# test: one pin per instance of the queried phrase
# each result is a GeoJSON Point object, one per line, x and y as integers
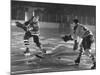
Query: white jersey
{"type": "Point", "coordinates": [80, 31]}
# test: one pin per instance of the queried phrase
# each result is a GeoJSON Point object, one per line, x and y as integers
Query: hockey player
{"type": "Point", "coordinates": [80, 31]}
{"type": "Point", "coordinates": [31, 29]}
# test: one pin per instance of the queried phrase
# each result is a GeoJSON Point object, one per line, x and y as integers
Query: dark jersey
{"type": "Point", "coordinates": [33, 26]}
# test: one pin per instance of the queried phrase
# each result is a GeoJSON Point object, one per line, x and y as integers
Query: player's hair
{"type": "Point", "coordinates": [76, 21]}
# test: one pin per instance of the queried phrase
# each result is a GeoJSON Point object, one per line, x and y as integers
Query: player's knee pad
{"type": "Point", "coordinates": [38, 44]}
{"type": "Point", "coordinates": [75, 47]}
{"type": "Point", "coordinates": [26, 42]}
{"type": "Point", "coordinates": [92, 57]}
{"type": "Point", "coordinates": [87, 53]}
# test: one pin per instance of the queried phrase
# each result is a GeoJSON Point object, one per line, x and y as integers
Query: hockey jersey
{"type": "Point", "coordinates": [80, 31]}
{"type": "Point", "coordinates": [33, 26]}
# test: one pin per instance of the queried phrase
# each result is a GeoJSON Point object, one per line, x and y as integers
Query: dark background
{"type": "Point", "coordinates": [53, 12]}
